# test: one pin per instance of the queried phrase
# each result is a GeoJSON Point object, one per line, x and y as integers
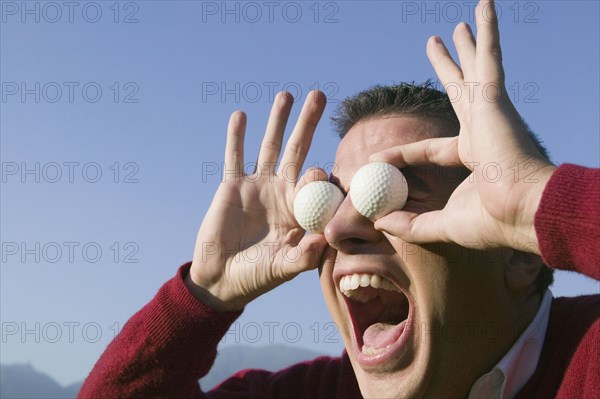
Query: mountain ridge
{"type": "Point", "coordinates": [23, 381]}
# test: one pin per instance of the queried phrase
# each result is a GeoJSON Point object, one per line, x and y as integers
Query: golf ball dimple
{"type": "Point", "coordinates": [315, 204]}
{"type": "Point", "coordinates": [377, 189]}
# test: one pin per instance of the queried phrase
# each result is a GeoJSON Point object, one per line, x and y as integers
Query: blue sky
{"type": "Point", "coordinates": [113, 118]}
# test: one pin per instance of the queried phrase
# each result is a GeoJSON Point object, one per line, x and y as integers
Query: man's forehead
{"type": "Point", "coordinates": [373, 135]}
{"type": "Point", "coordinates": [389, 131]}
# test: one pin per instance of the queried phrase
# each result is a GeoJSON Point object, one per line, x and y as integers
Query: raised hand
{"type": "Point", "coordinates": [496, 205]}
{"type": "Point", "coordinates": [249, 241]}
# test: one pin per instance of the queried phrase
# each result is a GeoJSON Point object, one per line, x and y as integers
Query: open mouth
{"type": "Point", "coordinates": [380, 312]}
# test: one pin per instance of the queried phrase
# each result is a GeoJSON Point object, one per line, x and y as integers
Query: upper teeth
{"type": "Point", "coordinates": [349, 283]}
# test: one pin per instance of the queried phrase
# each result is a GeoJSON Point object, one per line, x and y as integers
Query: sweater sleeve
{"type": "Point", "coordinates": [567, 222]}
{"type": "Point", "coordinates": [163, 349]}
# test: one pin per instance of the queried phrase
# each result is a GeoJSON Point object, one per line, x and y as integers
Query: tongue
{"type": "Point", "coordinates": [380, 335]}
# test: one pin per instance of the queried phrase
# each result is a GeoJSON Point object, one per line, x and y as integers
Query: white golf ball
{"type": "Point", "coordinates": [315, 204]}
{"type": "Point", "coordinates": [377, 189]}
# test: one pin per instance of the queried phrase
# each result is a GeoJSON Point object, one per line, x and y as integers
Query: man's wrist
{"type": "Point", "coordinates": [206, 297]}
{"type": "Point", "coordinates": [527, 239]}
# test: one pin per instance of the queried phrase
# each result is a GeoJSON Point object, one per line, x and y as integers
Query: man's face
{"type": "Point", "coordinates": [423, 320]}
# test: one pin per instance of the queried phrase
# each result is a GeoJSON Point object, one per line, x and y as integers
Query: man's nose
{"type": "Point", "coordinates": [348, 229]}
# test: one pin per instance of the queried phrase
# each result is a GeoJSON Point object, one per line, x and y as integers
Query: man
{"type": "Point", "coordinates": [445, 298]}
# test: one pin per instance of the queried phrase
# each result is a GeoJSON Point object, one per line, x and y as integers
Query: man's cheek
{"type": "Point", "coordinates": [449, 179]}
{"type": "Point", "coordinates": [448, 176]}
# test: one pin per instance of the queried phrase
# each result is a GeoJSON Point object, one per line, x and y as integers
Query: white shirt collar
{"type": "Point", "coordinates": [517, 366]}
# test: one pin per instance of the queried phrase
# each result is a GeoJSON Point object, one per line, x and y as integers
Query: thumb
{"type": "Point", "coordinates": [304, 256]}
{"type": "Point", "coordinates": [411, 227]}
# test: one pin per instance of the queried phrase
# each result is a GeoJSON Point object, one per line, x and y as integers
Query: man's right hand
{"type": "Point", "coordinates": [485, 210]}
{"type": "Point", "coordinates": [249, 241]}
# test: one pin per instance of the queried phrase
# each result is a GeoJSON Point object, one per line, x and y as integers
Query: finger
{"type": "Point", "coordinates": [306, 255]}
{"type": "Point", "coordinates": [441, 151]}
{"type": "Point", "coordinates": [300, 139]}
{"type": "Point", "coordinates": [271, 144]}
{"type": "Point", "coordinates": [234, 149]}
{"type": "Point", "coordinates": [411, 227]}
{"type": "Point", "coordinates": [488, 52]}
{"type": "Point", "coordinates": [311, 175]}
{"type": "Point", "coordinates": [443, 64]}
{"type": "Point", "coordinates": [465, 47]}
{"type": "Point", "coordinates": [449, 73]}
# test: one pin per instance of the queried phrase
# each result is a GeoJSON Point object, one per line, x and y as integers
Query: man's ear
{"type": "Point", "coordinates": [522, 269]}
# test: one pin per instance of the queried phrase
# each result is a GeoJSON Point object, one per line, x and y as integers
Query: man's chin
{"type": "Point", "coordinates": [404, 371]}
{"type": "Point", "coordinates": [408, 383]}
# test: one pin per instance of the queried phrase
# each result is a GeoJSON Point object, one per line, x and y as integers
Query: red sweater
{"type": "Point", "coordinates": [171, 342]}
